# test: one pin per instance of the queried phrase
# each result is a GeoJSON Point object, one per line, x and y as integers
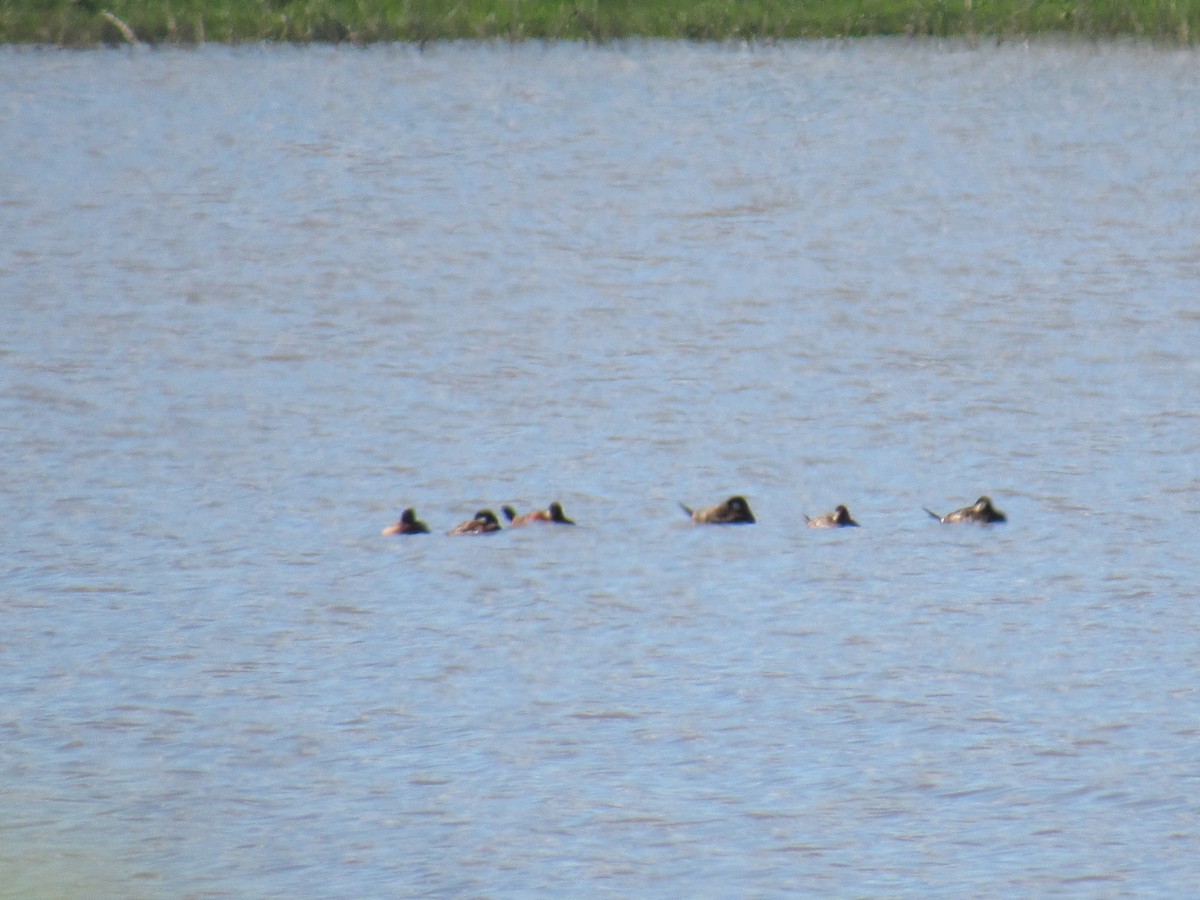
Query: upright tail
{"type": "Point", "coordinates": [932, 513]}
{"type": "Point", "coordinates": [686, 509]}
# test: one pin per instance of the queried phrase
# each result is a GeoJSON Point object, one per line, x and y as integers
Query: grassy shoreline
{"type": "Point", "coordinates": [94, 23]}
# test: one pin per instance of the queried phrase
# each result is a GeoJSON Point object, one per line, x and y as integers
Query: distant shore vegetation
{"type": "Point", "coordinates": [95, 23]}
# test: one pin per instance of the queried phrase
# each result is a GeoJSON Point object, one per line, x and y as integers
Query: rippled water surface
{"type": "Point", "coordinates": [256, 301]}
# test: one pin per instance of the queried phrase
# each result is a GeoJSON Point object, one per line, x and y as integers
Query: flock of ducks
{"type": "Point", "coordinates": [484, 521]}
{"type": "Point", "coordinates": [734, 511]}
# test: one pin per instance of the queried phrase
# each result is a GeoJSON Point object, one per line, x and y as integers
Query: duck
{"type": "Point", "coordinates": [981, 512]}
{"type": "Point", "coordinates": [734, 511]}
{"type": "Point", "coordinates": [484, 522]}
{"type": "Point", "coordinates": [839, 518]}
{"type": "Point", "coordinates": [408, 524]}
{"type": "Point", "coordinates": [553, 514]}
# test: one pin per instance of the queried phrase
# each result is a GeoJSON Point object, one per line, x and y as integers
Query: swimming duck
{"type": "Point", "coordinates": [483, 523]}
{"type": "Point", "coordinates": [552, 514]}
{"type": "Point", "coordinates": [981, 512]}
{"type": "Point", "coordinates": [734, 511]}
{"type": "Point", "coordinates": [408, 524]}
{"type": "Point", "coordinates": [839, 518]}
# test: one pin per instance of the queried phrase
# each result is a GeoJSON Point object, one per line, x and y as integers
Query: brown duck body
{"type": "Point", "coordinates": [981, 512]}
{"type": "Point", "coordinates": [484, 522]}
{"type": "Point", "coordinates": [553, 515]}
{"type": "Point", "coordinates": [734, 511]}
{"type": "Point", "coordinates": [408, 524]}
{"type": "Point", "coordinates": [839, 518]}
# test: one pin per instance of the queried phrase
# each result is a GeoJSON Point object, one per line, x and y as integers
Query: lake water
{"type": "Point", "coordinates": [256, 301]}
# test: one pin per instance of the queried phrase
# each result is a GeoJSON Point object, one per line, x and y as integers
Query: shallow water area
{"type": "Point", "coordinates": [258, 300]}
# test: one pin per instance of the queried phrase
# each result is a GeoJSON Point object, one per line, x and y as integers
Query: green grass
{"type": "Point", "coordinates": [90, 23]}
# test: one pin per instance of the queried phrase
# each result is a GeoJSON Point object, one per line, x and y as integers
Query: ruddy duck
{"type": "Point", "coordinates": [408, 524]}
{"type": "Point", "coordinates": [981, 512]}
{"type": "Point", "coordinates": [839, 518]}
{"type": "Point", "coordinates": [483, 523]}
{"type": "Point", "coordinates": [552, 514]}
{"type": "Point", "coordinates": [734, 511]}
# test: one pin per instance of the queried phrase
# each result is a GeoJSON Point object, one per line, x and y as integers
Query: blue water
{"type": "Point", "coordinates": [257, 301]}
